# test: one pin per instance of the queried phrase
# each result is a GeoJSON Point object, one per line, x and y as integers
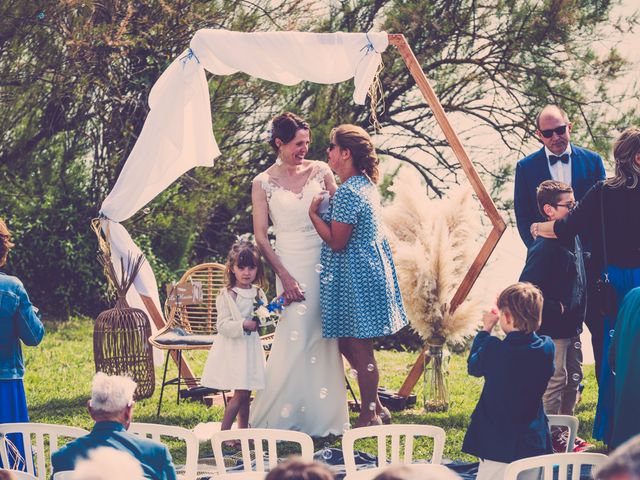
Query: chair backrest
{"type": "Point", "coordinates": [429, 470]}
{"type": "Point", "coordinates": [34, 440]}
{"type": "Point", "coordinates": [200, 318]}
{"type": "Point", "coordinates": [17, 475]}
{"type": "Point", "coordinates": [69, 475]}
{"type": "Point", "coordinates": [393, 432]}
{"type": "Point", "coordinates": [570, 423]}
{"type": "Point", "coordinates": [549, 462]}
{"type": "Point", "coordinates": [157, 432]}
{"type": "Point", "coordinates": [245, 476]}
{"type": "Point", "coordinates": [257, 436]}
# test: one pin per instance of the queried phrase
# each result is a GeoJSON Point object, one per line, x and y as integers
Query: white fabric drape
{"type": "Point", "coordinates": [177, 134]}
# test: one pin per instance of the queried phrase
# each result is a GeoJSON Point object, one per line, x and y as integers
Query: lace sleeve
{"type": "Point", "coordinates": [267, 186]}
{"type": "Point", "coordinates": [322, 170]}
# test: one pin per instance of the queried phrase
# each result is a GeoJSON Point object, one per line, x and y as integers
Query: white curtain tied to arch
{"type": "Point", "coordinates": [177, 133]}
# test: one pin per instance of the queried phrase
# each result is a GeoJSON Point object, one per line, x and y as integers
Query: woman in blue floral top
{"type": "Point", "coordinates": [359, 294]}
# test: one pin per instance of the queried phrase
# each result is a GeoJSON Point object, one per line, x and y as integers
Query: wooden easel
{"type": "Point", "coordinates": [399, 41]}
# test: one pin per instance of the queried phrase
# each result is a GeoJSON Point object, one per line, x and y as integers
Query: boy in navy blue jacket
{"type": "Point", "coordinates": [509, 422]}
{"type": "Point", "coordinates": [556, 267]}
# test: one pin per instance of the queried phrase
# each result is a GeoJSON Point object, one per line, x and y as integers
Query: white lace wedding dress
{"type": "Point", "coordinates": [304, 377]}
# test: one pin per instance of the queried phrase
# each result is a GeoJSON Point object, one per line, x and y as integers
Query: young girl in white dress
{"type": "Point", "coordinates": [236, 359]}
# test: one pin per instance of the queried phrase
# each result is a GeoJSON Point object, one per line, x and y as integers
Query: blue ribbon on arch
{"type": "Point", "coordinates": [189, 56]}
{"type": "Point", "coordinates": [369, 46]}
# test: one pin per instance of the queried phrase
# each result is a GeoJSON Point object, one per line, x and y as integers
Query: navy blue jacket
{"type": "Point", "coordinates": [154, 457]}
{"type": "Point", "coordinates": [556, 267]}
{"type": "Point", "coordinates": [586, 170]}
{"type": "Point", "coordinates": [508, 422]}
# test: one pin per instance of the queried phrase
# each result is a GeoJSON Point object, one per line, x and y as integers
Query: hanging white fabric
{"type": "Point", "coordinates": [177, 133]}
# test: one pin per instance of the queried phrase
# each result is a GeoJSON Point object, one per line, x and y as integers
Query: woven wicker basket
{"type": "Point", "coordinates": [121, 335]}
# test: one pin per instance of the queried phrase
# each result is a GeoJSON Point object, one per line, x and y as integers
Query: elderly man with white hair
{"type": "Point", "coordinates": [111, 407]}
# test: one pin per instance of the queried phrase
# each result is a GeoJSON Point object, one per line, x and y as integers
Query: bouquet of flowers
{"type": "Point", "coordinates": [267, 315]}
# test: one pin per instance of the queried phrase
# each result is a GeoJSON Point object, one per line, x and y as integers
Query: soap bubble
{"type": "Point", "coordinates": [328, 278]}
{"type": "Point", "coordinates": [301, 309]}
{"type": "Point", "coordinates": [576, 377]}
{"type": "Point", "coordinates": [312, 359]}
{"type": "Point", "coordinates": [294, 335]}
{"type": "Point", "coordinates": [286, 411]}
{"type": "Point", "coordinates": [323, 393]}
{"type": "Point", "coordinates": [319, 267]}
{"type": "Point", "coordinates": [302, 286]}
{"type": "Point", "coordinates": [371, 367]}
{"type": "Point", "coordinates": [303, 408]}
{"type": "Point", "coordinates": [327, 453]}
{"type": "Point", "coordinates": [372, 406]}
{"type": "Point", "coordinates": [345, 427]}
{"type": "Point", "coordinates": [577, 345]}
{"type": "Point", "coordinates": [353, 373]}
{"type": "Point", "coordinates": [612, 333]}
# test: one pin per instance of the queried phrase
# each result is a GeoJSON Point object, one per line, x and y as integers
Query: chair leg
{"type": "Point", "coordinates": [164, 379]}
{"type": "Point", "coordinates": [353, 394]}
{"type": "Point", "coordinates": [179, 372]}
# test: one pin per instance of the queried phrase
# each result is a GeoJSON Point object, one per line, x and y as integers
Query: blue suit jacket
{"type": "Point", "coordinates": [508, 422]}
{"type": "Point", "coordinates": [154, 457]}
{"type": "Point", "coordinates": [586, 170]}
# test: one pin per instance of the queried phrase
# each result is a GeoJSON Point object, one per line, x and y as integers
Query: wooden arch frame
{"type": "Point", "coordinates": [400, 42]}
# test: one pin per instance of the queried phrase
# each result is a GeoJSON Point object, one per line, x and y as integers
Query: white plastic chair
{"type": "Point", "coordinates": [569, 422]}
{"type": "Point", "coordinates": [17, 475]}
{"type": "Point", "coordinates": [394, 432]}
{"type": "Point", "coordinates": [257, 436]}
{"type": "Point", "coordinates": [157, 431]}
{"type": "Point", "coordinates": [245, 476]}
{"type": "Point", "coordinates": [429, 470]}
{"type": "Point", "coordinates": [68, 475]}
{"type": "Point", "coordinates": [41, 469]}
{"type": "Point", "coordinates": [548, 462]}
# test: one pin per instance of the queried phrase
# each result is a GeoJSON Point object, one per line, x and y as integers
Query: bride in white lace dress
{"type": "Point", "coordinates": [304, 384]}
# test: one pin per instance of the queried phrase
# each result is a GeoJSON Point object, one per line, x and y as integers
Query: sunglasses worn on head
{"type": "Point", "coordinates": [558, 131]}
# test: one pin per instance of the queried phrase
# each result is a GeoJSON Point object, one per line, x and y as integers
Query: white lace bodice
{"type": "Point", "coordinates": [289, 211]}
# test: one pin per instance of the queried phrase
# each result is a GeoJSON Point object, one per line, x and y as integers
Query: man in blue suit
{"type": "Point", "coordinates": [111, 406]}
{"type": "Point", "coordinates": [560, 160]}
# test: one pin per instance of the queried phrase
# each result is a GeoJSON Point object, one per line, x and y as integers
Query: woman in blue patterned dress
{"type": "Point", "coordinates": [359, 294]}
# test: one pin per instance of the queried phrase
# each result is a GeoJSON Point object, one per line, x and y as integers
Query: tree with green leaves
{"type": "Point", "coordinates": [75, 78]}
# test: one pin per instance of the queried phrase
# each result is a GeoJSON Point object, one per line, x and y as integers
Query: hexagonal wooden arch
{"type": "Point", "coordinates": [399, 41]}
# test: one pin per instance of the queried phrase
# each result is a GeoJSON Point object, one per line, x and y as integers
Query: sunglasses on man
{"type": "Point", "coordinates": [558, 131]}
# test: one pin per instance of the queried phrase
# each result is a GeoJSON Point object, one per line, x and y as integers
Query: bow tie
{"type": "Point", "coordinates": [553, 159]}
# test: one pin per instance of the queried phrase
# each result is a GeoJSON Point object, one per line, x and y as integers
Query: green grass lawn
{"type": "Point", "coordinates": [59, 373]}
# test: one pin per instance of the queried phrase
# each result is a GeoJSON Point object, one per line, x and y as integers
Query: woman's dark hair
{"type": "Point", "coordinates": [285, 127]}
{"type": "Point", "coordinates": [625, 149]}
{"type": "Point", "coordinates": [299, 470]}
{"type": "Point", "coordinates": [5, 242]}
{"type": "Point", "coordinates": [244, 253]}
{"type": "Point", "coordinates": [358, 142]}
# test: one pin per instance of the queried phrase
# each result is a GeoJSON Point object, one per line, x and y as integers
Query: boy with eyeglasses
{"type": "Point", "coordinates": [556, 267]}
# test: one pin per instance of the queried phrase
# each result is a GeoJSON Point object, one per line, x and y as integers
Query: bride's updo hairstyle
{"type": "Point", "coordinates": [358, 142]}
{"type": "Point", "coordinates": [5, 242]}
{"type": "Point", "coordinates": [285, 127]}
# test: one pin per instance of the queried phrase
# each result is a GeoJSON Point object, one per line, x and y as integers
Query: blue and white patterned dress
{"type": "Point", "coordinates": [359, 293]}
